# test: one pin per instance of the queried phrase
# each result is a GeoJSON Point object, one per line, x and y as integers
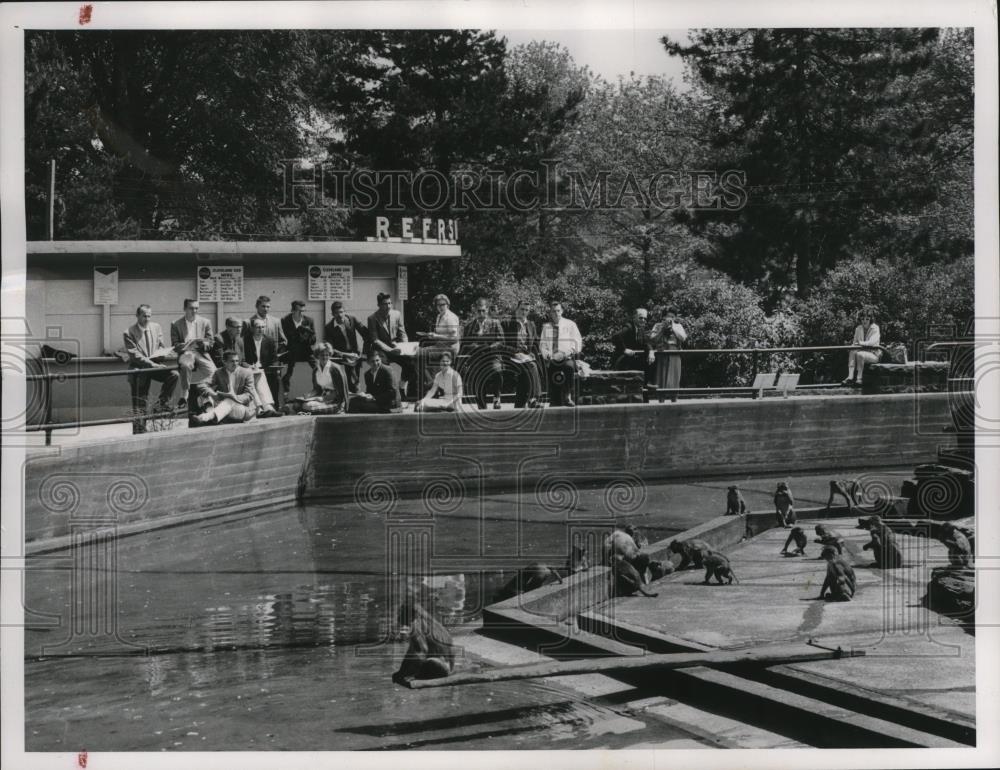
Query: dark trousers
{"type": "Point", "coordinates": [483, 375]}
{"type": "Point", "coordinates": [139, 387]}
{"type": "Point", "coordinates": [405, 363]}
{"type": "Point", "coordinates": [529, 383]}
{"type": "Point", "coordinates": [561, 377]}
{"type": "Point", "coordinates": [635, 363]}
{"type": "Point", "coordinates": [353, 372]}
{"type": "Point", "coordinates": [292, 360]}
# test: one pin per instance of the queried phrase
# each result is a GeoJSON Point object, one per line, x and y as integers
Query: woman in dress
{"type": "Point", "coordinates": [329, 385]}
{"type": "Point", "coordinates": [668, 335]}
{"type": "Point", "coordinates": [449, 383]}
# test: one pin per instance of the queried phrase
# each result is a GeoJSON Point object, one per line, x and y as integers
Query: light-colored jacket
{"type": "Point", "coordinates": [136, 346]}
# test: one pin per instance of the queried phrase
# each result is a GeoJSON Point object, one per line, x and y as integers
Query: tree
{"type": "Point", "coordinates": [825, 124]}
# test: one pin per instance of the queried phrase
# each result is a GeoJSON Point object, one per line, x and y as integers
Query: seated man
{"type": "Point", "coordinates": [482, 340]}
{"type": "Point", "coordinates": [866, 334]}
{"type": "Point", "coordinates": [380, 396]}
{"type": "Point", "coordinates": [559, 345]}
{"type": "Point", "coordinates": [632, 345]}
{"type": "Point", "coordinates": [328, 394]}
{"type": "Point", "coordinates": [229, 397]}
{"type": "Point", "coordinates": [445, 337]}
{"type": "Point", "coordinates": [259, 353]}
{"type": "Point", "coordinates": [230, 338]}
{"type": "Point", "coordinates": [385, 331]}
{"type": "Point", "coordinates": [191, 338]}
{"type": "Point", "coordinates": [144, 345]}
{"type": "Point", "coordinates": [448, 383]}
{"type": "Point", "coordinates": [522, 346]}
{"type": "Point", "coordinates": [342, 335]}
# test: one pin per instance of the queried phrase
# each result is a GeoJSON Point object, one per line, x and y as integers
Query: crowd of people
{"type": "Point", "coordinates": [236, 375]}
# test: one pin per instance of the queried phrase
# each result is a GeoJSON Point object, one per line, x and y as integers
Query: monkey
{"type": "Point", "coordinates": [691, 552]}
{"type": "Point", "coordinates": [718, 566]}
{"type": "Point", "coordinates": [840, 578]}
{"type": "Point", "coordinates": [850, 490]}
{"type": "Point", "coordinates": [619, 543]}
{"type": "Point", "coordinates": [626, 579]}
{"type": "Point", "coordinates": [884, 547]}
{"type": "Point", "coordinates": [784, 505]}
{"type": "Point", "coordinates": [640, 539]}
{"type": "Point", "coordinates": [959, 548]}
{"type": "Point", "coordinates": [527, 579]}
{"type": "Point", "coordinates": [797, 535]}
{"type": "Point", "coordinates": [431, 653]}
{"type": "Point", "coordinates": [829, 537]}
{"type": "Point", "coordinates": [659, 569]}
{"type": "Point", "coordinates": [735, 504]}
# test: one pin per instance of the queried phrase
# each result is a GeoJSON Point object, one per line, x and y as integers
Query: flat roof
{"type": "Point", "coordinates": [378, 252]}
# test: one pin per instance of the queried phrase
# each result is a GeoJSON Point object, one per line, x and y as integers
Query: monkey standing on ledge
{"type": "Point", "coordinates": [840, 579]}
{"type": "Point", "coordinates": [691, 552]}
{"type": "Point", "coordinates": [718, 565]}
{"type": "Point", "coordinates": [849, 489]}
{"type": "Point", "coordinates": [797, 535]}
{"type": "Point", "coordinates": [735, 504]}
{"type": "Point", "coordinates": [784, 505]}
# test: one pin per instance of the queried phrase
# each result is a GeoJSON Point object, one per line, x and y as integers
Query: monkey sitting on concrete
{"type": "Point", "coordinates": [691, 552]}
{"type": "Point", "coordinates": [959, 547]}
{"type": "Point", "coordinates": [659, 569]}
{"type": "Point", "coordinates": [850, 490]}
{"type": "Point", "coordinates": [431, 653]}
{"type": "Point", "coordinates": [798, 536]}
{"type": "Point", "coordinates": [718, 566]}
{"type": "Point", "coordinates": [784, 505]}
{"type": "Point", "coordinates": [829, 537]}
{"type": "Point", "coordinates": [640, 540]}
{"type": "Point", "coordinates": [883, 546]}
{"type": "Point", "coordinates": [626, 579]}
{"type": "Point", "coordinates": [840, 579]}
{"type": "Point", "coordinates": [735, 504]}
{"type": "Point", "coordinates": [527, 579]}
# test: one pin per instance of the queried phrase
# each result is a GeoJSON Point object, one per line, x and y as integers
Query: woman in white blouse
{"type": "Point", "coordinates": [868, 337]}
{"type": "Point", "coordinates": [329, 385]}
{"type": "Point", "coordinates": [449, 383]}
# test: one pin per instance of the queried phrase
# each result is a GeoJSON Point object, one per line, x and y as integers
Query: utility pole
{"type": "Point", "coordinates": [52, 200]}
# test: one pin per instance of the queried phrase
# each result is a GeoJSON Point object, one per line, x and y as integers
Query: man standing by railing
{"type": "Point", "coordinates": [632, 345]}
{"type": "Point", "coordinates": [144, 346]}
{"type": "Point", "coordinates": [191, 338]}
{"type": "Point", "coordinates": [559, 344]}
{"type": "Point", "coordinates": [300, 331]}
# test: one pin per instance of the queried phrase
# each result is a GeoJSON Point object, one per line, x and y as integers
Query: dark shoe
{"type": "Point", "coordinates": [270, 412]}
{"type": "Point", "coordinates": [496, 404]}
{"type": "Point", "coordinates": [533, 404]}
{"type": "Point", "coordinates": [182, 403]}
{"type": "Point", "coordinates": [568, 402]}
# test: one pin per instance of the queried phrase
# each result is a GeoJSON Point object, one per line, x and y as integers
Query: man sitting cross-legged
{"type": "Point", "coordinates": [229, 397]}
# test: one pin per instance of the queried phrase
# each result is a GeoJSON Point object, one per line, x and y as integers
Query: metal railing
{"type": "Point", "coordinates": [47, 377]}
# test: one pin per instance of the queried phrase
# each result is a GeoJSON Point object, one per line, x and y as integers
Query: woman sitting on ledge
{"type": "Point", "coordinates": [329, 386]}
{"type": "Point", "coordinates": [449, 383]}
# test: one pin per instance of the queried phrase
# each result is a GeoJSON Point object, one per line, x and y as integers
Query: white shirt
{"type": "Point", "coordinates": [257, 344]}
{"type": "Point", "coordinates": [872, 338]}
{"type": "Point", "coordinates": [323, 377]}
{"type": "Point", "coordinates": [570, 340]}
{"type": "Point", "coordinates": [450, 383]}
{"type": "Point", "coordinates": [190, 330]}
{"type": "Point", "coordinates": [448, 325]}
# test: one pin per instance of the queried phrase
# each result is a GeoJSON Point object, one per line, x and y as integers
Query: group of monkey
{"type": "Point", "coordinates": [431, 653]}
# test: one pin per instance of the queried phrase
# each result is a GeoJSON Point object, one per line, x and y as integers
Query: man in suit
{"type": "Point", "coordinates": [632, 345]}
{"type": "Point", "coordinates": [272, 325]}
{"type": "Point", "coordinates": [300, 331]}
{"type": "Point", "coordinates": [230, 338]}
{"type": "Point", "coordinates": [144, 344]}
{"type": "Point", "coordinates": [191, 338]}
{"type": "Point", "coordinates": [482, 339]}
{"type": "Point", "coordinates": [342, 335]}
{"type": "Point", "coordinates": [385, 330]}
{"type": "Point", "coordinates": [560, 344]}
{"type": "Point", "coordinates": [380, 396]}
{"type": "Point", "coordinates": [522, 346]}
{"type": "Point", "coordinates": [230, 394]}
{"type": "Point", "coordinates": [260, 354]}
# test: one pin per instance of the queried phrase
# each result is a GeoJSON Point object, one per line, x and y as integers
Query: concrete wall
{"type": "Point", "coordinates": [692, 438]}
{"type": "Point", "coordinates": [61, 295]}
{"type": "Point", "coordinates": [158, 478]}
{"type": "Point", "coordinates": [378, 455]}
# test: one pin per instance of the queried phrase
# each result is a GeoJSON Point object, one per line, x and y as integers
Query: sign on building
{"type": "Point", "coordinates": [402, 283]}
{"type": "Point", "coordinates": [220, 283]}
{"type": "Point", "coordinates": [327, 282]}
{"type": "Point", "coordinates": [106, 285]}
